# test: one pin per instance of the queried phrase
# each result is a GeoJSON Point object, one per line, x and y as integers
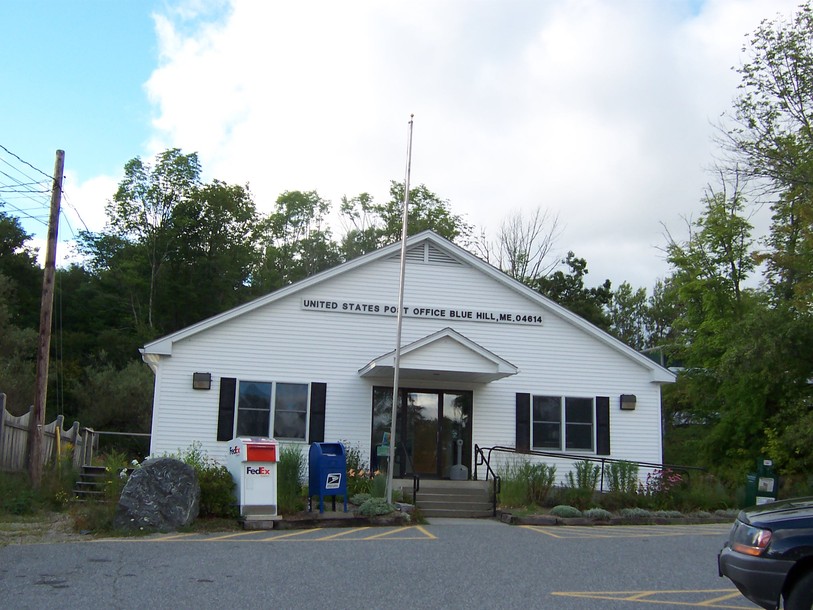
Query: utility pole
{"type": "Point", "coordinates": [46, 314]}
{"type": "Point", "coordinates": [399, 320]}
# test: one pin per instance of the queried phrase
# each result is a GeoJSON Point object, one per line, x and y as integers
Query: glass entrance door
{"type": "Point", "coordinates": [422, 431]}
{"type": "Point", "coordinates": [430, 424]}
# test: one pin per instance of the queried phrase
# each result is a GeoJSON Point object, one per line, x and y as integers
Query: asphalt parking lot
{"type": "Point", "coordinates": [443, 564]}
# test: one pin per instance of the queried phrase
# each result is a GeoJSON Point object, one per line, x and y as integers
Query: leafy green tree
{"type": "Point", "coordinates": [112, 399]}
{"type": "Point", "coordinates": [18, 352]}
{"type": "Point", "coordinates": [375, 225]}
{"type": "Point", "coordinates": [142, 208]}
{"type": "Point", "coordinates": [18, 263]}
{"type": "Point", "coordinates": [92, 314]}
{"type": "Point", "coordinates": [119, 271]}
{"type": "Point", "coordinates": [772, 140]}
{"type": "Point", "coordinates": [296, 240]}
{"type": "Point", "coordinates": [210, 267]}
{"type": "Point", "coordinates": [629, 316]}
{"type": "Point", "coordinates": [721, 388]}
{"type": "Point", "coordinates": [568, 289]}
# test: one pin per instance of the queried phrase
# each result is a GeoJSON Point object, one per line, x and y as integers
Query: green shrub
{"type": "Point", "coordinates": [622, 477]}
{"type": "Point", "coordinates": [359, 499]}
{"type": "Point", "coordinates": [635, 513]}
{"type": "Point", "coordinates": [290, 468]}
{"type": "Point", "coordinates": [216, 492]}
{"type": "Point", "coordinates": [587, 475]}
{"type": "Point", "coordinates": [565, 511]}
{"type": "Point", "coordinates": [730, 513]}
{"type": "Point", "coordinates": [525, 483]}
{"type": "Point", "coordinates": [702, 492]}
{"type": "Point", "coordinates": [616, 500]}
{"type": "Point", "coordinates": [599, 514]}
{"type": "Point", "coordinates": [216, 483]}
{"type": "Point", "coordinates": [116, 473]}
{"type": "Point", "coordinates": [359, 477]}
{"type": "Point", "coordinates": [18, 497]}
{"type": "Point", "coordinates": [353, 456]}
{"type": "Point", "coordinates": [375, 507]}
{"type": "Point", "coordinates": [667, 514]}
{"type": "Point", "coordinates": [379, 487]}
{"type": "Point", "coordinates": [93, 516]}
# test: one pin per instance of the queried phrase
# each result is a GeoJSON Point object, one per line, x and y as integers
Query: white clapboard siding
{"type": "Point", "coordinates": [277, 339]}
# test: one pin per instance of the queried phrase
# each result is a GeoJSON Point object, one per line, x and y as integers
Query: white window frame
{"type": "Point", "coordinates": [272, 407]}
{"type": "Point", "coordinates": [563, 424]}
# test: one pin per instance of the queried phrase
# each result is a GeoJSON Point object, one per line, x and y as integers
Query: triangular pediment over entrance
{"type": "Point", "coordinates": [442, 356]}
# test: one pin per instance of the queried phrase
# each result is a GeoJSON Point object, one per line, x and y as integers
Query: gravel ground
{"type": "Point", "coordinates": [46, 528]}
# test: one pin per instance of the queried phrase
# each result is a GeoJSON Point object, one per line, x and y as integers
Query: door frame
{"type": "Point", "coordinates": [403, 467]}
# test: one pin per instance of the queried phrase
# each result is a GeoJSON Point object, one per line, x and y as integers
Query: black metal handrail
{"type": "Point", "coordinates": [576, 457]}
{"type": "Point", "coordinates": [480, 458]}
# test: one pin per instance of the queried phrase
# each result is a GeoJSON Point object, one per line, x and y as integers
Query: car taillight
{"type": "Point", "coordinates": [749, 540]}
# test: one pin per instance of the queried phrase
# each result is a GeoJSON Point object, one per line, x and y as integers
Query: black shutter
{"type": "Point", "coordinates": [602, 425]}
{"type": "Point", "coordinates": [225, 412]}
{"type": "Point", "coordinates": [318, 403]}
{"type": "Point", "coordinates": [523, 422]}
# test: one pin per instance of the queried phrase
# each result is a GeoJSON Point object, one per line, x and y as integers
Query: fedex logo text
{"type": "Point", "coordinates": [260, 470]}
{"type": "Point", "coordinates": [235, 450]}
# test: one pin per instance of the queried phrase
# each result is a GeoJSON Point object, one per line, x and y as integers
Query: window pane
{"type": "Point", "coordinates": [290, 410]}
{"type": "Point", "coordinates": [579, 436]}
{"type": "Point", "coordinates": [253, 422]}
{"type": "Point", "coordinates": [289, 424]}
{"type": "Point", "coordinates": [579, 423]}
{"type": "Point", "coordinates": [547, 409]}
{"type": "Point", "coordinates": [254, 395]}
{"type": "Point", "coordinates": [579, 410]}
{"type": "Point", "coordinates": [547, 436]}
{"type": "Point", "coordinates": [253, 408]}
{"type": "Point", "coordinates": [292, 397]}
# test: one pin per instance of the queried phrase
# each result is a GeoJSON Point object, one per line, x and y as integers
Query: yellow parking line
{"type": "Point", "coordinates": [174, 537]}
{"type": "Point", "coordinates": [385, 533]}
{"type": "Point", "coordinates": [344, 533]}
{"type": "Point", "coordinates": [167, 537]}
{"type": "Point", "coordinates": [638, 596]}
{"type": "Point", "coordinates": [540, 530]}
{"type": "Point", "coordinates": [722, 598]}
{"type": "Point", "coordinates": [429, 535]}
{"type": "Point", "coordinates": [233, 535]}
{"type": "Point", "coordinates": [646, 597]}
{"type": "Point", "coordinates": [290, 535]}
{"type": "Point", "coordinates": [394, 534]}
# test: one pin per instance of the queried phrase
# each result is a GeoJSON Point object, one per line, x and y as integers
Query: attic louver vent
{"type": "Point", "coordinates": [427, 254]}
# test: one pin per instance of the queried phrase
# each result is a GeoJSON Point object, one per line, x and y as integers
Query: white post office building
{"type": "Point", "coordinates": [484, 359]}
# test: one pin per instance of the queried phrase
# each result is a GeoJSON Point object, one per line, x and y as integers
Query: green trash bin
{"type": "Point", "coordinates": [751, 488]}
{"type": "Point", "coordinates": [761, 486]}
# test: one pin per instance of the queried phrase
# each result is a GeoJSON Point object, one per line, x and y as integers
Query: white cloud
{"type": "Point", "coordinates": [602, 112]}
{"type": "Point", "coordinates": [82, 209]}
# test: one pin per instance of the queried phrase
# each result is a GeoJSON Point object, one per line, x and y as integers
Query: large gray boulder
{"type": "Point", "coordinates": [162, 495]}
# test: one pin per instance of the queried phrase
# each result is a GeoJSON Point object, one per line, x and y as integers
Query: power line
{"type": "Point", "coordinates": [50, 177]}
{"type": "Point", "coordinates": [75, 211]}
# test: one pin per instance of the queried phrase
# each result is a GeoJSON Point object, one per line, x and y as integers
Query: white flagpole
{"type": "Point", "coordinates": [400, 317]}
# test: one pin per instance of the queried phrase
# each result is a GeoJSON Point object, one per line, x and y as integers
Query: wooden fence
{"type": "Point", "coordinates": [14, 440]}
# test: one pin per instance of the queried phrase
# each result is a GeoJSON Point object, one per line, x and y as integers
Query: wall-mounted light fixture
{"type": "Point", "coordinates": [201, 381]}
{"type": "Point", "coordinates": [628, 402]}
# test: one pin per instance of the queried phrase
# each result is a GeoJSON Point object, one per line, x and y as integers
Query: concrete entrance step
{"type": "Point", "coordinates": [462, 499]}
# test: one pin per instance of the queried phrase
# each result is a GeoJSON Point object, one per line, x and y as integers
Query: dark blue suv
{"type": "Point", "coordinates": [769, 554]}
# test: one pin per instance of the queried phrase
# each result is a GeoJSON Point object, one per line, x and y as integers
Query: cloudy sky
{"type": "Point", "coordinates": [600, 111]}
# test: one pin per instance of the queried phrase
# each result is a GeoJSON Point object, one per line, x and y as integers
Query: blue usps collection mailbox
{"type": "Point", "coordinates": [327, 474]}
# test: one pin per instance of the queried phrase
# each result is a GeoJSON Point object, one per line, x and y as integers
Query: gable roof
{"type": "Point", "coordinates": [471, 361]}
{"type": "Point", "coordinates": [426, 245]}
